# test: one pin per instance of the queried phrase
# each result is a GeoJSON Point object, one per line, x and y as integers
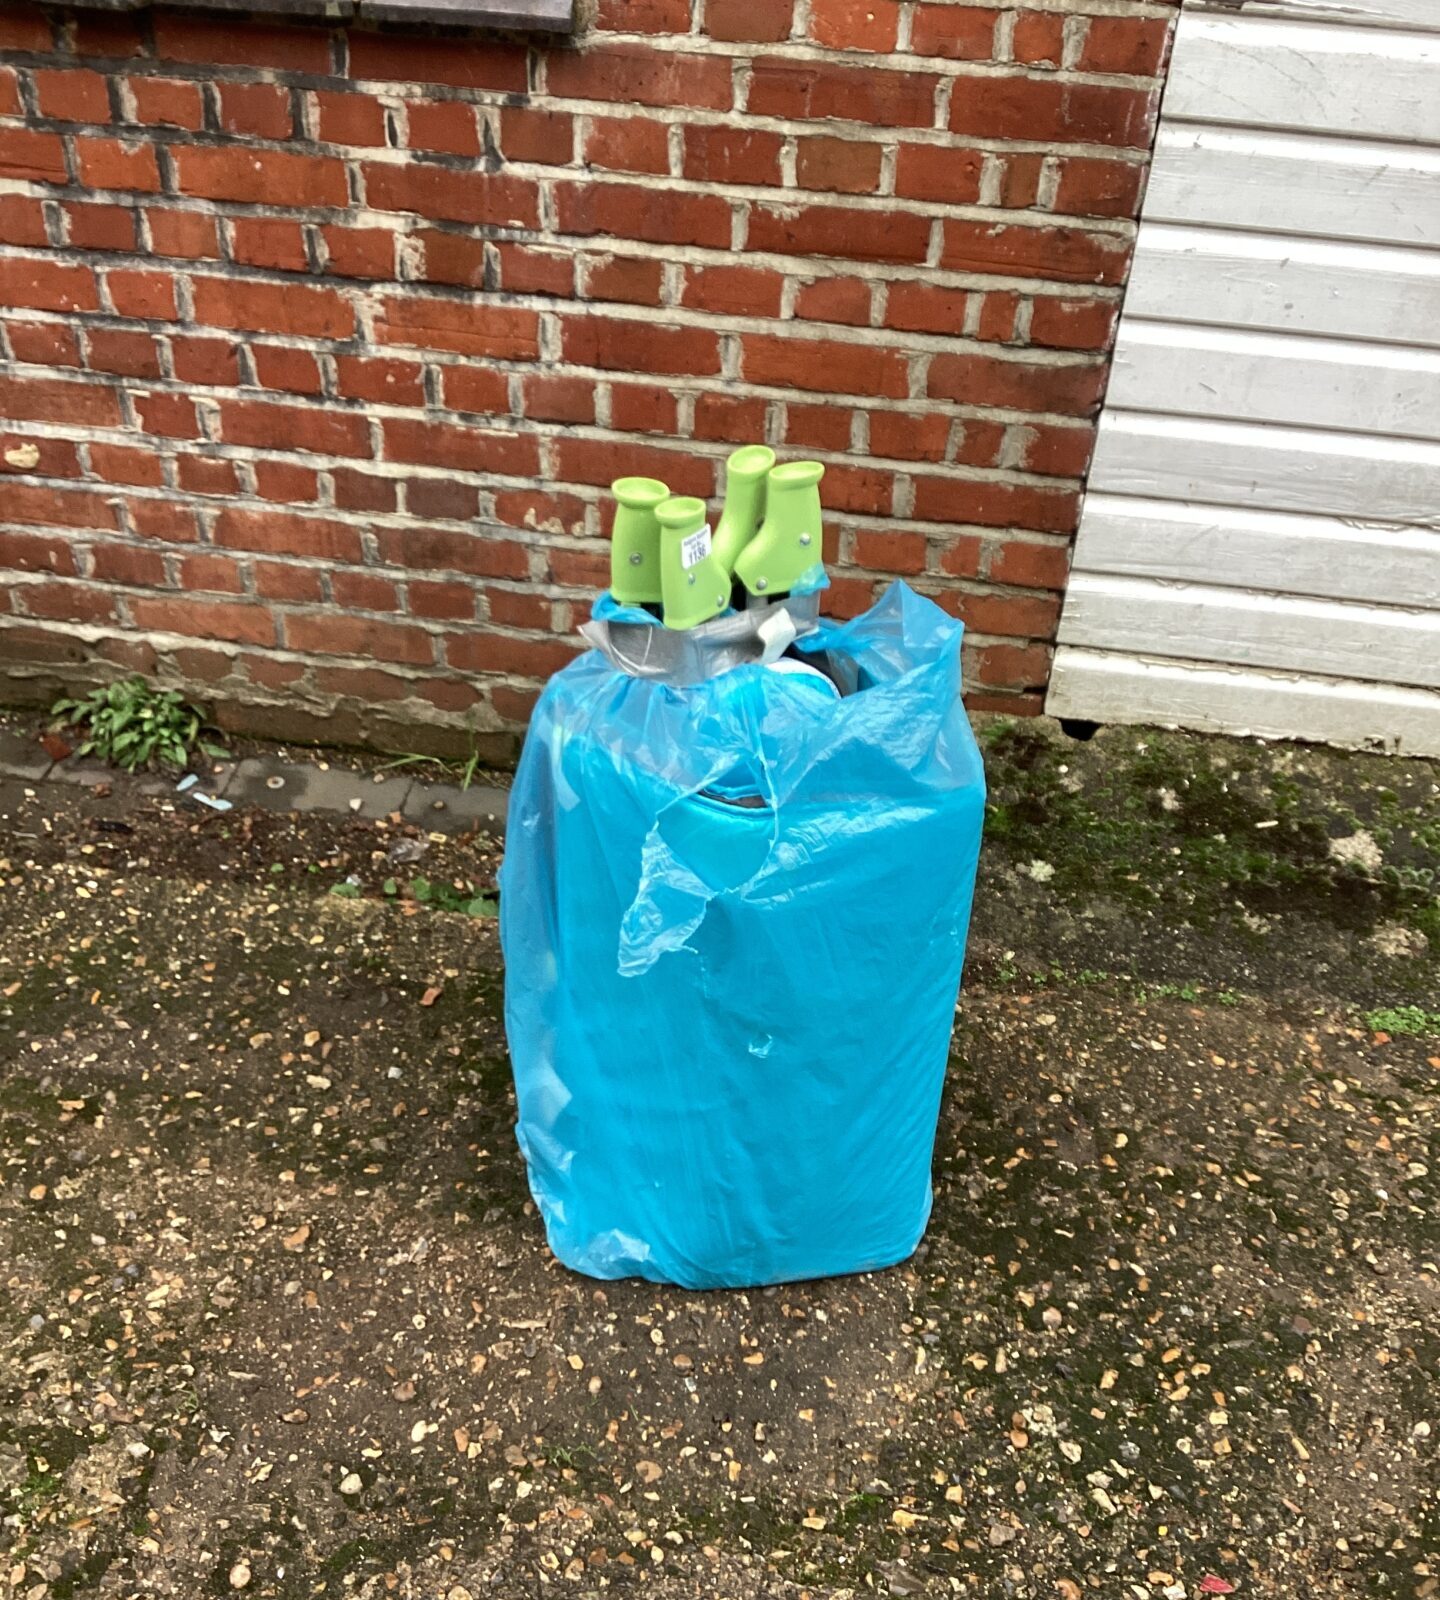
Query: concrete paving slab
{"type": "Point", "coordinates": [294, 786]}
{"type": "Point", "coordinates": [447, 808]}
{"type": "Point", "coordinates": [21, 757]}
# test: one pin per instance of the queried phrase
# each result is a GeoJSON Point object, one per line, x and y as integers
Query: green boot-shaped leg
{"type": "Point", "coordinates": [635, 542]}
{"type": "Point", "coordinates": [745, 473]}
{"type": "Point", "coordinates": [695, 581]}
{"type": "Point", "coordinates": [788, 543]}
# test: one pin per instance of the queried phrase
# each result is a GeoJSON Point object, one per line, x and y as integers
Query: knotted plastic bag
{"type": "Point", "coordinates": [734, 917]}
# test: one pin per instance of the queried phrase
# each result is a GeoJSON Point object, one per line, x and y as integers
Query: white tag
{"type": "Point", "coordinates": [695, 547]}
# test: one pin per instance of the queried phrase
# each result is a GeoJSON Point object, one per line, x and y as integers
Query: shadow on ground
{"type": "Point", "coordinates": [279, 1318]}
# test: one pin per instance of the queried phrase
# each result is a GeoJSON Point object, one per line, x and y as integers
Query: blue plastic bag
{"type": "Point", "coordinates": [733, 918]}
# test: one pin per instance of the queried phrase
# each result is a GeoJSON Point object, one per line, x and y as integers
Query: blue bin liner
{"type": "Point", "coordinates": [729, 1021]}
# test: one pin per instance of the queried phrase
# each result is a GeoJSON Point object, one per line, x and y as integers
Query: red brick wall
{"type": "Point", "coordinates": [318, 346]}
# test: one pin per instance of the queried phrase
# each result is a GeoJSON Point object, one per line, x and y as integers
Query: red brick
{"type": "Point", "coordinates": [495, 652]}
{"type": "Point", "coordinates": [27, 154]}
{"type": "Point", "coordinates": [545, 137]}
{"type": "Point", "coordinates": [506, 333]}
{"type": "Point", "coordinates": [72, 95]}
{"type": "Point", "coordinates": [24, 27]}
{"type": "Point", "coordinates": [441, 497]}
{"type": "Point", "coordinates": [1054, 451]}
{"type": "Point", "coordinates": [1039, 38]}
{"type": "Point", "coordinates": [1067, 254]}
{"type": "Point", "coordinates": [118, 563]}
{"type": "Point", "coordinates": [1047, 110]}
{"type": "Point", "coordinates": [130, 352]}
{"type": "Point", "coordinates": [1010, 616]}
{"type": "Point", "coordinates": [233, 621]}
{"type": "Point", "coordinates": [363, 491]}
{"type": "Point", "coordinates": [747, 21]}
{"type": "Point", "coordinates": [513, 608]}
{"type": "Point", "coordinates": [845, 166]}
{"type": "Point", "coordinates": [909, 436]}
{"type": "Point", "coordinates": [272, 674]}
{"type": "Point", "coordinates": [858, 235]}
{"type": "Point", "coordinates": [734, 291]}
{"type": "Point", "coordinates": [477, 388]}
{"type": "Point", "coordinates": [277, 580]}
{"type": "Point", "coordinates": [550, 398]}
{"type": "Point", "coordinates": [639, 408]}
{"type": "Point", "coordinates": [278, 533]}
{"type": "Point", "coordinates": [824, 365]}
{"type": "Point", "coordinates": [36, 553]}
{"type": "Point", "coordinates": [1024, 664]}
{"type": "Point", "coordinates": [926, 308]}
{"type": "Point", "coordinates": [167, 102]}
{"type": "Point", "coordinates": [46, 285]}
{"type": "Point", "coordinates": [601, 461]}
{"type": "Point", "coordinates": [363, 591]}
{"type": "Point", "coordinates": [1031, 566]}
{"type": "Point", "coordinates": [835, 300]}
{"type": "Point", "coordinates": [643, 346]}
{"type": "Point", "coordinates": [581, 568]}
{"type": "Point", "coordinates": [959, 33]}
{"type": "Point", "coordinates": [58, 400]}
{"type": "Point", "coordinates": [847, 597]}
{"type": "Point", "coordinates": [980, 443]}
{"type": "Point", "coordinates": [524, 270]}
{"type": "Point", "coordinates": [445, 125]}
{"type": "Point", "coordinates": [939, 172]}
{"type": "Point", "coordinates": [862, 491]}
{"type": "Point", "coordinates": [206, 475]}
{"type": "Point", "coordinates": [1020, 179]}
{"type": "Point", "coordinates": [9, 93]}
{"type": "Point", "coordinates": [189, 235]}
{"type": "Point", "coordinates": [960, 555]}
{"type": "Point", "coordinates": [450, 195]}
{"type": "Point", "coordinates": [444, 444]}
{"type": "Point", "coordinates": [441, 601]}
{"type": "Point", "coordinates": [275, 427]}
{"type": "Point", "coordinates": [45, 344]}
{"type": "Point", "coordinates": [360, 252]}
{"type": "Point", "coordinates": [729, 418]}
{"type": "Point", "coordinates": [890, 550]}
{"type": "Point", "coordinates": [818, 427]}
{"type": "Point", "coordinates": [1124, 44]}
{"type": "Point", "coordinates": [230, 42]}
{"type": "Point", "coordinates": [732, 155]}
{"type": "Point", "coordinates": [998, 310]}
{"type": "Point", "coordinates": [632, 280]}
{"type": "Point", "coordinates": [274, 242]}
{"type": "Point", "coordinates": [58, 508]}
{"type": "Point", "coordinates": [215, 573]}
{"type": "Point", "coordinates": [262, 110]}
{"type": "Point", "coordinates": [113, 164]}
{"type": "Point", "coordinates": [199, 360]}
{"type": "Point", "coordinates": [169, 416]}
{"type": "Point", "coordinates": [22, 220]}
{"type": "Point", "coordinates": [147, 295]}
{"type": "Point", "coordinates": [405, 58]}
{"type": "Point", "coordinates": [164, 519]}
{"type": "Point", "coordinates": [628, 144]}
{"type": "Point", "coordinates": [1022, 385]}
{"type": "Point", "coordinates": [1092, 187]}
{"type": "Point", "coordinates": [55, 458]}
{"type": "Point", "coordinates": [383, 379]}
{"type": "Point", "coordinates": [633, 211]}
{"type": "Point", "coordinates": [435, 550]}
{"type": "Point", "coordinates": [644, 16]}
{"type": "Point", "coordinates": [641, 75]}
{"type": "Point", "coordinates": [354, 119]}
{"type": "Point", "coordinates": [1072, 324]}
{"type": "Point", "coordinates": [66, 602]}
{"type": "Point", "coordinates": [257, 177]}
{"type": "Point", "coordinates": [997, 505]}
{"type": "Point", "coordinates": [279, 367]}
{"type": "Point", "coordinates": [287, 482]}
{"type": "Point", "coordinates": [100, 227]}
{"type": "Point", "coordinates": [273, 308]}
{"type": "Point", "coordinates": [855, 24]}
{"type": "Point", "coordinates": [814, 90]}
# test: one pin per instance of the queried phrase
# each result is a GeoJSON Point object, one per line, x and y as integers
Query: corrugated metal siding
{"type": "Point", "coordinates": [1260, 545]}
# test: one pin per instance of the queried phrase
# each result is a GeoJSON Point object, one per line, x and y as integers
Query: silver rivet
{"type": "Point", "coordinates": [762, 583]}
{"type": "Point", "coordinates": [804, 538]}
{"type": "Point", "coordinates": [690, 577]}
{"type": "Point", "coordinates": [636, 558]}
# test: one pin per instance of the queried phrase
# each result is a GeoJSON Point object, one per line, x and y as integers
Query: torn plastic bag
{"type": "Point", "coordinates": [733, 917]}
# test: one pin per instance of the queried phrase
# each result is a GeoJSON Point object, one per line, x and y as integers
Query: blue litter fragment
{"type": "Point", "coordinates": [734, 918]}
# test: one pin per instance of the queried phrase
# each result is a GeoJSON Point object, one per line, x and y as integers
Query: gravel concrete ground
{"type": "Point", "coordinates": [279, 1318]}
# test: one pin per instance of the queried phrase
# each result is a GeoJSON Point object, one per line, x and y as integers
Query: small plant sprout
{"type": "Point", "coordinates": [130, 724]}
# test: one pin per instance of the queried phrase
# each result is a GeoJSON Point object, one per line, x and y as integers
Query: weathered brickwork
{"type": "Point", "coordinates": [318, 345]}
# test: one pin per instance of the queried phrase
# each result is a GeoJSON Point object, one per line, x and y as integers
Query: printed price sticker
{"type": "Point", "coordinates": [695, 547]}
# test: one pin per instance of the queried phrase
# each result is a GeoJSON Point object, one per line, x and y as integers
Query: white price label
{"type": "Point", "coordinates": [695, 547]}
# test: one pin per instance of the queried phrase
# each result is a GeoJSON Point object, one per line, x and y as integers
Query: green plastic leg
{"type": "Point", "coordinates": [745, 473]}
{"type": "Point", "coordinates": [635, 541]}
{"type": "Point", "coordinates": [788, 543]}
{"type": "Point", "coordinates": [696, 582]}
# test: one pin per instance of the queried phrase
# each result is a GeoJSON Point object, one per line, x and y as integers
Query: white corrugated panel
{"type": "Point", "coordinates": [1260, 544]}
